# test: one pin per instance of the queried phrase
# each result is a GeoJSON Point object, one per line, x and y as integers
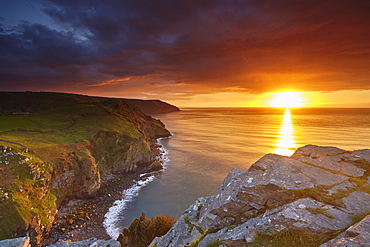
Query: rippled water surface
{"type": "Point", "coordinates": [208, 142]}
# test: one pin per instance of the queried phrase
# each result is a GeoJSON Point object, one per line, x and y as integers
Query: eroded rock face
{"type": "Point", "coordinates": [356, 235]}
{"type": "Point", "coordinates": [89, 242]}
{"type": "Point", "coordinates": [16, 242]}
{"type": "Point", "coordinates": [317, 190]}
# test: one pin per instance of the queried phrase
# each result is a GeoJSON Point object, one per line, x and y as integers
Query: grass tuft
{"type": "Point", "coordinates": [291, 238]}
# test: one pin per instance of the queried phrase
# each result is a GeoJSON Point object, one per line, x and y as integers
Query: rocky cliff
{"type": "Point", "coordinates": [305, 199]}
{"type": "Point", "coordinates": [61, 150]}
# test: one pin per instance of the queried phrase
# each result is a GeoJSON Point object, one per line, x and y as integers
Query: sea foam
{"type": "Point", "coordinates": [115, 212]}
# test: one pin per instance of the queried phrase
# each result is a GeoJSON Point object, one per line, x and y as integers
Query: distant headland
{"type": "Point", "coordinates": [18, 102]}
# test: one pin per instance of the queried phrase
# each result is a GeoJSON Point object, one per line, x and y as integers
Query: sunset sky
{"type": "Point", "coordinates": [189, 53]}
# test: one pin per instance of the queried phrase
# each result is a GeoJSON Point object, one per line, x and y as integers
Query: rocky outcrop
{"type": "Point", "coordinates": [355, 236]}
{"type": "Point", "coordinates": [16, 242]}
{"type": "Point", "coordinates": [316, 191]}
{"type": "Point", "coordinates": [25, 242]}
{"type": "Point", "coordinates": [89, 242]}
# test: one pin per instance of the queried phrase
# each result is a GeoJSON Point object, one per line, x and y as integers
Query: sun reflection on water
{"type": "Point", "coordinates": [285, 144]}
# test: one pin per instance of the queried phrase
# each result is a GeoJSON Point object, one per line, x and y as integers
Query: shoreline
{"type": "Point", "coordinates": [81, 219]}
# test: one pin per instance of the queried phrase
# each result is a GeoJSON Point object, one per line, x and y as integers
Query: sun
{"type": "Point", "coordinates": [287, 99]}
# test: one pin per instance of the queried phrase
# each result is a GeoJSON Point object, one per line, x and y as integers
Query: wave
{"type": "Point", "coordinates": [114, 213]}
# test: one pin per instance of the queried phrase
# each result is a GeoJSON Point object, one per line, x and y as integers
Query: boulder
{"type": "Point", "coordinates": [16, 242]}
{"type": "Point", "coordinates": [93, 242]}
{"type": "Point", "coordinates": [356, 235]}
{"type": "Point", "coordinates": [330, 158]}
{"type": "Point", "coordinates": [318, 190]}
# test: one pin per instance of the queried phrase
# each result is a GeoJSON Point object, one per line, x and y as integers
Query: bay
{"type": "Point", "coordinates": [208, 142]}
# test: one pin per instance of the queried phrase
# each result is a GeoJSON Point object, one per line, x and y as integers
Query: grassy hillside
{"type": "Point", "coordinates": [64, 125]}
{"type": "Point", "coordinates": [60, 152]}
{"type": "Point", "coordinates": [18, 102]}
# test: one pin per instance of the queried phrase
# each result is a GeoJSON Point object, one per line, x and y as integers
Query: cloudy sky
{"type": "Point", "coordinates": [187, 52]}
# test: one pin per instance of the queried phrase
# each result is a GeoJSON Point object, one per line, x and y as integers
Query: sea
{"type": "Point", "coordinates": [207, 143]}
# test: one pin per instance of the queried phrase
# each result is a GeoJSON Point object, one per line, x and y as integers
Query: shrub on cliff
{"type": "Point", "coordinates": [142, 231]}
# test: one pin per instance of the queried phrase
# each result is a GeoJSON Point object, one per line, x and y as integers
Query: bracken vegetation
{"type": "Point", "coordinates": [142, 231]}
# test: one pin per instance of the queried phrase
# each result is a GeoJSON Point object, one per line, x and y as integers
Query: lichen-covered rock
{"type": "Point", "coordinates": [331, 158]}
{"type": "Point", "coordinates": [184, 230]}
{"type": "Point", "coordinates": [318, 190]}
{"type": "Point", "coordinates": [355, 236]}
{"type": "Point", "coordinates": [92, 242]}
{"type": "Point", "coordinates": [16, 242]}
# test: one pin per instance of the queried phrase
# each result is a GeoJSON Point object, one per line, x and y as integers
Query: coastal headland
{"type": "Point", "coordinates": [58, 147]}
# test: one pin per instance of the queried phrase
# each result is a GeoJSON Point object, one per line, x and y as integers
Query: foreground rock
{"type": "Point", "coordinates": [317, 191]}
{"type": "Point", "coordinates": [89, 242]}
{"type": "Point", "coordinates": [25, 242]}
{"type": "Point", "coordinates": [356, 235]}
{"type": "Point", "coordinates": [16, 242]}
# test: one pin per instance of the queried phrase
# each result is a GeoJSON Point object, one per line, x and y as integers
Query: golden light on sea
{"type": "Point", "coordinates": [285, 144]}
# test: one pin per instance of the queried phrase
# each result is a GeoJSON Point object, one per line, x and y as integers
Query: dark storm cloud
{"type": "Point", "coordinates": [208, 45]}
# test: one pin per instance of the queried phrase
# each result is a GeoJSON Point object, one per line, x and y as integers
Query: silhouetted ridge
{"type": "Point", "coordinates": [12, 102]}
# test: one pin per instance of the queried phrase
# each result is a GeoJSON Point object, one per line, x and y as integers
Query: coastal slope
{"type": "Point", "coordinates": [57, 147]}
{"type": "Point", "coordinates": [306, 199]}
{"type": "Point", "coordinates": [18, 102]}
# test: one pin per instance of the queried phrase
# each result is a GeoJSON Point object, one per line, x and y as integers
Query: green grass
{"type": "Point", "coordinates": [364, 165]}
{"type": "Point", "coordinates": [56, 133]}
{"type": "Point", "coordinates": [18, 122]}
{"type": "Point", "coordinates": [319, 193]}
{"type": "Point", "coordinates": [231, 227]}
{"type": "Point", "coordinates": [27, 199]}
{"type": "Point", "coordinates": [64, 125]}
{"type": "Point", "coordinates": [320, 211]}
{"type": "Point", "coordinates": [358, 217]}
{"type": "Point", "coordinates": [204, 234]}
{"type": "Point", "coordinates": [10, 219]}
{"type": "Point", "coordinates": [216, 243]}
{"type": "Point", "coordinates": [291, 238]}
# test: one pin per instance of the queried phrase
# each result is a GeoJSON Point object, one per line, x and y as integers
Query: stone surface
{"type": "Point", "coordinates": [356, 235]}
{"type": "Point", "coordinates": [88, 243]}
{"type": "Point", "coordinates": [331, 158]}
{"type": "Point", "coordinates": [342, 186]}
{"type": "Point", "coordinates": [184, 231]}
{"type": "Point", "coordinates": [357, 202]}
{"type": "Point", "coordinates": [318, 190]}
{"type": "Point", "coordinates": [16, 242]}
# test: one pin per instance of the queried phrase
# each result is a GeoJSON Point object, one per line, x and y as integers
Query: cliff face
{"type": "Point", "coordinates": [316, 193]}
{"type": "Point", "coordinates": [67, 150]}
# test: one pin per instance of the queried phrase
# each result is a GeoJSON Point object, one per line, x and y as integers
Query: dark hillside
{"type": "Point", "coordinates": [153, 106]}
{"type": "Point", "coordinates": [18, 102]}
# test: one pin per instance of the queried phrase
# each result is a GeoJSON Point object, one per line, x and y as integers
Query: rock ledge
{"type": "Point", "coordinates": [317, 191]}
